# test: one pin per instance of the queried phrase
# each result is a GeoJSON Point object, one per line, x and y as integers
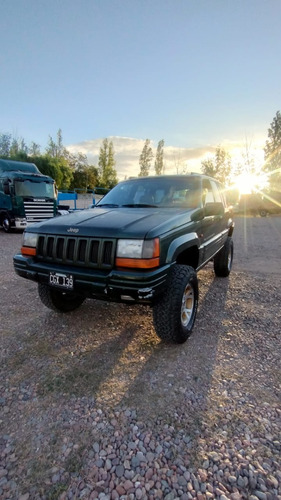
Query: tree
{"type": "Point", "coordinates": [18, 148]}
{"type": "Point", "coordinates": [76, 160]}
{"type": "Point", "coordinates": [272, 152]}
{"type": "Point", "coordinates": [93, 177]}
{"type": "Point", "coordinates": [208, 167]}
{"type": "Point", "coordinates": [57, 168]}
{"type": "Point", "coordinates": [14, 149]}
{"type": "Point", "coordinates": [108, 174]}
{"type": "Point", "coordinates": [159, 159]}
{"type": "Point", "coordinates": [5, 144]}
{"type": "Point", "coordinates": [66, 173]}
{"type": "Point", "coordinates": [48, 166]}
{"type": "Point", "coordinates": [219, 166]}
{"type": "Point", "coordinates": [59, 159]}
{"type": "Point", "coordinates": [85, 177]}
{"type": "Point", "coordinates": [56, 149]}
{"type": "Point", "coordinates": [180, 165]}
{"type": "Point", "coordinates": [34, 149]}
{"type": "Point", "coordinates": [145, 159]}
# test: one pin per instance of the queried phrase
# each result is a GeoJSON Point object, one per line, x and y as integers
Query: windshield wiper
{"type": "Point", "coordinates": [133, 205]}
{"type": "Point", "coordinates": [110, 205]}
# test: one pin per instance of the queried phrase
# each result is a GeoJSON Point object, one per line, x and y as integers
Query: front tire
{"type": "Point", "coordinates": [223, 259]}
{"type": "Point", "coordinates": [6, 224]}
{"type": "Point", "coordinates": [59, 301]}
{"type": "Point", "coordinates": [174, 315]}
{"type": "Point", "coordinates": [263, 212]}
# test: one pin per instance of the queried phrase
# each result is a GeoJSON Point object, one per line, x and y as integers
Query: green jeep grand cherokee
{"type": "Point", "coordinates": [142, 243]}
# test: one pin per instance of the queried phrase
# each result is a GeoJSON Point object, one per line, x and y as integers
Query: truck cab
{"type": "Point", "coordinates": [26, 196]}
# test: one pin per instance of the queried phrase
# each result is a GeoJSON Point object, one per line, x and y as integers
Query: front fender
{"type": "Point", "coordinates": [181, 244]}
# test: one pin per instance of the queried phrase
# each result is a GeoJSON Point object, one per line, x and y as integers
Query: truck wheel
{"type": "Point", "coordinates": [6, 224]}
{"type": "Point", "coordinates": [263, 212]}
{"type": "Point", "coordinates": [174, 315]}
{"type": "Point", "coordinates": [58, 300]}
{"type": "Point", "coordinates": [223, 259]}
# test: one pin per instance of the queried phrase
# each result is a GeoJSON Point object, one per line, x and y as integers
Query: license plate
{"type": "Point", "coordinates": [61, 280]}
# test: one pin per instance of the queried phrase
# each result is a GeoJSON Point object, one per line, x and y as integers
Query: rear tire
{"type": "Point", "coordinates": [223, 259]}
{"type": "Point", "coordinates": [59, 301]}
{"type": "Point", "coordinates": [174, 315]}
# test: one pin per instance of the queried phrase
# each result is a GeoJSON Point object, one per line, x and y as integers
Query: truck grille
{"type": "Point", "coordinates": [85, 252]}
{"type": "Point", "coordinates": [37, 211]}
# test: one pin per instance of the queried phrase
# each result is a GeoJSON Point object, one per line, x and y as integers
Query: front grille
{"type": "Point", "coordinates": [37, 211]}
{"type": "Point", "coordinates": [85, 252]}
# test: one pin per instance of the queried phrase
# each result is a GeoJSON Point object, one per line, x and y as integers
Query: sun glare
{"type": "Point", "coordinates": [249, 183]}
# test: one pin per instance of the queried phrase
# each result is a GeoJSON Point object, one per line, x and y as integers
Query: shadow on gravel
{"type": "Point", "coordinates": [93, 352]}
{"type": "Point", "coordinates": [184, 370]}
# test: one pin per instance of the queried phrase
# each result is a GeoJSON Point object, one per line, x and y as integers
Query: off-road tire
{"type": "Point", "coordinates": [223, 259]}
{"type": "Point", "coordinates": [57, 300]}
{"type": "Point", "coordinates": [174, 314]}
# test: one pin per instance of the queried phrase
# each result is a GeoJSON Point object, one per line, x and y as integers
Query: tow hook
{"type": "Point", "coordinates": [145, 293]}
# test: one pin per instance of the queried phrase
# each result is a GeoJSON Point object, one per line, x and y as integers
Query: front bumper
{"type": "Point", "coordinates": [114, 285]}
{"type": "Point", "coordinates": [19, 223]}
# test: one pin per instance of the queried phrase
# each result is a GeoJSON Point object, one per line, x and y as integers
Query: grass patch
{"type": "Point", "coordinates": [80, 378]}
{"type": "Point", "coordinates": [56, 490]}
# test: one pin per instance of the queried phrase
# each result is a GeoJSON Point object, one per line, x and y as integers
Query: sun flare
{"type": "Point", "coordinates": [248, 183]}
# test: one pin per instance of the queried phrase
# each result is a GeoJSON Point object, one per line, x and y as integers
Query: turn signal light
{"type": "Point", "coordinates": [28, 251]}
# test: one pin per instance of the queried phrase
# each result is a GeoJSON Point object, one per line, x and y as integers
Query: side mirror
{"type": "Point", "coordinates": [198, 214]}
{"type": "Point", "coordinates": [6, 187]}
{"type": "Point", "coordinates": [216, 208]}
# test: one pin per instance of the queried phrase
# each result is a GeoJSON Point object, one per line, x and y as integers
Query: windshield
{"type": "Point", "coordinates": [36, 189]}
{"type": "Point", "coordinates": [155, 192]}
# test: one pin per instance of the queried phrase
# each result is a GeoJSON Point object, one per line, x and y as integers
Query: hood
{"type": "Point", "coordinates": [115, 222]}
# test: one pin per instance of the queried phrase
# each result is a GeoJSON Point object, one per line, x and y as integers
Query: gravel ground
{"type": "Point", "coordinates": [93, 405]}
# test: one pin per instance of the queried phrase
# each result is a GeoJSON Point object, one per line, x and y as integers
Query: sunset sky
{"type": "Point", "coordinates": [196, 73]}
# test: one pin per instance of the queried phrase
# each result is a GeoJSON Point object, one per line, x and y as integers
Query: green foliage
{"type": "Point", "coordinates": [208, 167]}
{"type": "Point", "coordinates": [159, 160]}
{"type": "Point", "coordinates": [145, 159]}
{"type": "Point", "coordinates": [13, 148]}
{"type": "Point", "coordinates": [66, 174]}
{"type": "Point", "coordinates": [5, 145]}
{"type": "Point", "coordinates": [272, 152]}
{"type": "Point", "coordinates": [67, 169]}
{"type": "Point", "coordinates": [56, 149]}
{"type": "Point", "coordinates": [85, 177]}
{"type": "Point", "coordinates": [34, 149]}
{"type": "Point", "coordinates": [57, 168]}
{"type": "Point", "coordinates": [47, 167]}
{"type": "Point", "coordinates": [219, 166]}
{"type": "Point", "coordinates": [107, 172]}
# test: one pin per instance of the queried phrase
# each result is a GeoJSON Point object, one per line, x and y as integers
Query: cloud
{"type": "Point", "coordinates": [128, 150]}
{"type": "Point", "coordinates": [176, 160]}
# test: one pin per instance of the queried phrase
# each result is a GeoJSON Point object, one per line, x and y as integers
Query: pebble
{"type": "Point", "coordinates": [223, 444]}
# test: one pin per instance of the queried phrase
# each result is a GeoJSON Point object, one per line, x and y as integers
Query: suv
{"type": "Point", "coordinates": [143, 242]}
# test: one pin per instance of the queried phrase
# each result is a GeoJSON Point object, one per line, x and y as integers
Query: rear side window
{"type": "Point", "coordinates": [211, 192]}
{"type": "Point", "coordinates": [217, 192]}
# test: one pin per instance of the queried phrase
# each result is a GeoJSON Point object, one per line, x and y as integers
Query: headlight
{"type": "Point", "coordinates": [138, 253]}
{"type": "Point", "coordinates": [29, 243]}
{"type": "Point", "coordinates": [132, 249]}
{"type": "Point", "coordinates": [29, 239]}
